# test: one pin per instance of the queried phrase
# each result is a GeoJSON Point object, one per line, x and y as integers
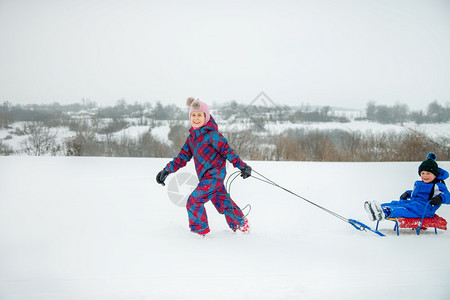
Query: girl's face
{"type": "Point", "coordinates": [427, 177]}
{"type": "Point", "coordinates": [198, 119]}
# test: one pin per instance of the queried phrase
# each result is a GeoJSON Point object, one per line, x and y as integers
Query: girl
{"type": "Point", "coordinates": [210, 151]}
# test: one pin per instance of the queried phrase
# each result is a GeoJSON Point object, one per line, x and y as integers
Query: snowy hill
{"type": "Point", "coordinates": [101, 228]}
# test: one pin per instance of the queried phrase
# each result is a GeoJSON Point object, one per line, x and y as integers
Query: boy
{"type": "Point", "coordinates": [210, 151]}
{"type": "Point", "coordinates": [414, 203]}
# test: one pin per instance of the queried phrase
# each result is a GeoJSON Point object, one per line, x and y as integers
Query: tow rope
{"type": "Point", "coordinates": [356, 224]}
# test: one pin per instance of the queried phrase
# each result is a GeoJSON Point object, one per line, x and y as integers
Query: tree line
{"type": "Point", "coordinates": [400, 113]}
{"type": "Point", "coordinates": [93, 131]}
{"type": "Point", "coordinates": [55, 114]}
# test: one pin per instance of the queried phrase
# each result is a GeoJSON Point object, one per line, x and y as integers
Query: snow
{"type": "Point", "coordinates": [101, 228]}
{"type": "Point", "coordinates": [9, 136]}
{"type": "Point", "coordinates": [439, 132]}
{"type": "Point", "coordinates": [132, 132]}
{"type": "Point", "coordinates": [162, 133]}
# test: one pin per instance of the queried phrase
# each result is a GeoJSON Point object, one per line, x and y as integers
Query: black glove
{"type": "Point", "coordinates": [161, 177]}
{"type": "Point", "coordinates": [404, 196]}
{"type": "Point", "coordinates": [246, 171]}
{"type": "Point", "coordinates": [437, 200]}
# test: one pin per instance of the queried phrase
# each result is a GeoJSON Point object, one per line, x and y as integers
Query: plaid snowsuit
{"type": "Point", "coordinates": [210, 150]}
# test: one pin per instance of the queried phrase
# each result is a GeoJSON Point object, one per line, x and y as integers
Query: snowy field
{"type": "Point", "coordinates": [101, 228]}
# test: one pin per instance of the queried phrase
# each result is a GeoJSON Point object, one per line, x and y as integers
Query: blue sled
{"type": "Point", "coordinates": [363, 227]}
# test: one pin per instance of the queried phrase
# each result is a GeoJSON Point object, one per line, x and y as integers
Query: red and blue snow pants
{"type": "Point", "coordinates": [214, 190]}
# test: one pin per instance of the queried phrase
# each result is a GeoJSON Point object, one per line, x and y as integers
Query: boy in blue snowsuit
{"type": "Point", "coordinates": [423, 200]}
{"type": "Point", "coordinates": [210, 150]}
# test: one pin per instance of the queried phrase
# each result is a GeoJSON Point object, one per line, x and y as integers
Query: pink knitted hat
{"type": "Point", "coordinates": [197, 105]}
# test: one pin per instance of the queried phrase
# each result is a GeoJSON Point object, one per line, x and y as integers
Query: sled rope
{"type": "Point", "coordinates": [267, 180]}
{"type": "Point", "coordinates": [356, 224]}
{"type": "Point", "coordinates": [228, 183]}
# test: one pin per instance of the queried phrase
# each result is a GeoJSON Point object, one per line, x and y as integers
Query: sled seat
{"type": "Point", "coordinates": [435, 222]}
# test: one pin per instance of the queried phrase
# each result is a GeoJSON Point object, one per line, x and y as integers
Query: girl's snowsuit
{"type": "Point", "coordinates": [210, 150]}
{"type": "Point", "coordinates": [419, 196]}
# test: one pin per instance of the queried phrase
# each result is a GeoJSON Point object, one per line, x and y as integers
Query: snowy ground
{"type": "Point", "coordinates": [101, 228]}
{"type": "Point", "coordinates": [433, 131]}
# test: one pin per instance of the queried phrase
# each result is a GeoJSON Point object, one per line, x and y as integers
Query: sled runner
{"type": "Point", "coordinates": [418, 224]}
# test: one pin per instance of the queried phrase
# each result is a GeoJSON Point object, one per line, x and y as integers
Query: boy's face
{"type": "Point", "coordinates": [427, 177]}
{"type": "Point", "coordinates": [198, 119]}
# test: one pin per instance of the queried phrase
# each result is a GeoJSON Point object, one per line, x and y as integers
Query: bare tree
{"type": "Point", "coordinates": [41, 140]}
{"type": "Point", "coordinates": [177, 134]}
{"type": "Point", "coordinates": [5, 149]}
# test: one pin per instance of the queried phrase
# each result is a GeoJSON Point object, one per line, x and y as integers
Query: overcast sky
{"type": "Point", "coordinates": [336, 52]}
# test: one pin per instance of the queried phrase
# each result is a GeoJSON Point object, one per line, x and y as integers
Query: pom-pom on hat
{"type": "Point", "coordinates": [196, 105]}
{"type": "Point", "coordinates": [430, 165]}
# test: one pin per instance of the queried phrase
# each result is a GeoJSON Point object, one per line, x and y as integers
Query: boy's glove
{"type": "Point", "coordinates": [404, 196]}
{"type": "Point", "coordinates": [437, 200]}
{"type": "Point", "coordinates": [161, 177]}
{"type": "Point", "coordinates": [246, 171]}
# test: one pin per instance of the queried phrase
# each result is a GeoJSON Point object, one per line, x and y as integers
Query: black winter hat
{"type": "Point", "coordinates": [430, 165]}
